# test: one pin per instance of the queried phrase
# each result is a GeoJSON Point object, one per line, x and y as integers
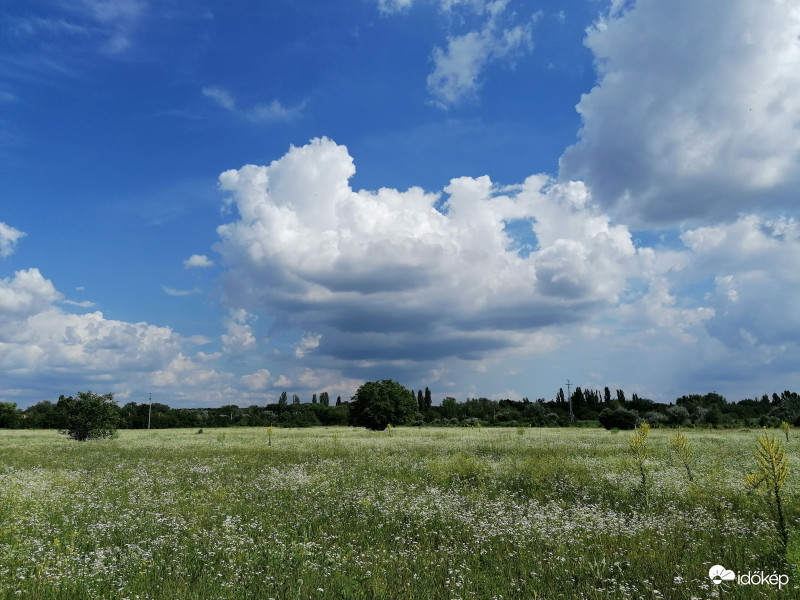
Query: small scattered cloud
{"type": "Point", "coordinates": [119, 20]}
{"type": "Point", "coordinates": [271, 112]}
{"type": "Point", "coordinates": [220, 96]}
{"type": "Point", "coordinates": [308, 343]}
{"type": "Point", "coordinates": [390, 7]}
{"type": "Point", "coordinates": [200, 261]}
{"type": "Point", "coordinates": [275, 111]}
{"type": "Point", "coordinates": [9, 236]}
{"type": "Point", "coordinates": [458, 67]}
{"type": "Point", "coordinates": [175, 292]}
{"type": "Point", "coordinates": [81, 304]}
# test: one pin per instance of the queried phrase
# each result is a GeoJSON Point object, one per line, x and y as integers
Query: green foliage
{"type": "Point", "coordinates": [682, 448]}
{"type": "Point", "coordinates": [709, 410]}
{"type": "Point", "coordinates": [770, 476]}
{"type": "Point", "coordinates": [786, 428]}
{"type": "Point", "coordinates": [618, 418]}
{"type": "Point", "coordinates": [90, 416]}
{"type": "Point", "coordinates": [678, 416]}
{"type": "Point", "coordinates": [10, 417]}
{"type": "Point", "coordinates": [377, 404]}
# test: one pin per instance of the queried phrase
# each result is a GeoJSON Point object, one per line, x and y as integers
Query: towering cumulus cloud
{"type": "Point", "coordinates": [399, 275]}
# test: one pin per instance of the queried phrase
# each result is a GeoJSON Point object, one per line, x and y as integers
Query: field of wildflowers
{"type": "Point", "coordinates": [401, 514]}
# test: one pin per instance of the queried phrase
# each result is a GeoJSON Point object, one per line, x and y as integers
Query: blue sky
{"type": "Point", "coordinates": [214, 202]}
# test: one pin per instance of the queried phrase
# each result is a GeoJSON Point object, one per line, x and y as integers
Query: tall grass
{"type": "Point", "coordinates": [346, 513]}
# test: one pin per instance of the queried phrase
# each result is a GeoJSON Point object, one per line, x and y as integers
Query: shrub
{"type": "Point", "coordinates": [655, 418]}
{"type": "Point", "coordinates": [678, 416]}
{"type": "Point", "coordinates": [618, 418]}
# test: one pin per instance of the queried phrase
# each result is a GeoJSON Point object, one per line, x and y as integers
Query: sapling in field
{"type": "Point", "coordinates": [770, 476]}
{"type": "Point", "coordinates": [683, 450]}
{"type": "Point", "coordinates": [785, 428]}
{"type": "Point", "coordinates": [638, 448]}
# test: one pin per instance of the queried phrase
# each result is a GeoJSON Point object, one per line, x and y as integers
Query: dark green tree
{"type": "Point", "coordinates": [10, 416]}
{"type": "Point", "coordinates": [420, 401]}
{"type": "Point", "coordinates": [377, 404]}
{"type": "Point", "coordinates": [90, 416]}
{"type": "Point", "coordinates": [428, 400]}
{"type": "Point", "coordinates": [43, 415]}
{"type": "Point", "coordinates": [324, 399]}
{"type": "Point", "coordinates": [449, 408]}
{"type": "Point", "coordinates": [314, 398]}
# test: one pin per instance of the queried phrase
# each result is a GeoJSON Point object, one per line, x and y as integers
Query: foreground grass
{"type": "Point", "coordinates": [411, 513]}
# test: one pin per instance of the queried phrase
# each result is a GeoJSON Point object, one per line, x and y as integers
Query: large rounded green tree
{"type": "Point", "coordinates": [381, 403]}
{"type": "Point", "coordinates": [89, 416]}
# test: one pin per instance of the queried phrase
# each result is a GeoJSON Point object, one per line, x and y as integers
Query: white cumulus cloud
{"type": "Point", "coordinates": [239, 337]}
{"type": "Point", "coordinates": [47, 351]}
{"type": "Point", "coordinates": [258, 381]}
{"type": "Point", "coordinates": [696, 110]}
{"type": "Point", "coordinates": [385, 276]}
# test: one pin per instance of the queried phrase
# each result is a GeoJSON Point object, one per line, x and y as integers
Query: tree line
{"type": "Point", "coordinates": [584, 407]}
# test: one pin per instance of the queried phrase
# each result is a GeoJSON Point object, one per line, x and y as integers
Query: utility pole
{"type": "Point", "coordinates": [569, 395]}
{"type": "Point", "coordinates": [150, 410]}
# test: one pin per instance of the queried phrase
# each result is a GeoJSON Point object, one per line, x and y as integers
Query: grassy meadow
{"type": "Point", "coordinates": [420, 514]}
